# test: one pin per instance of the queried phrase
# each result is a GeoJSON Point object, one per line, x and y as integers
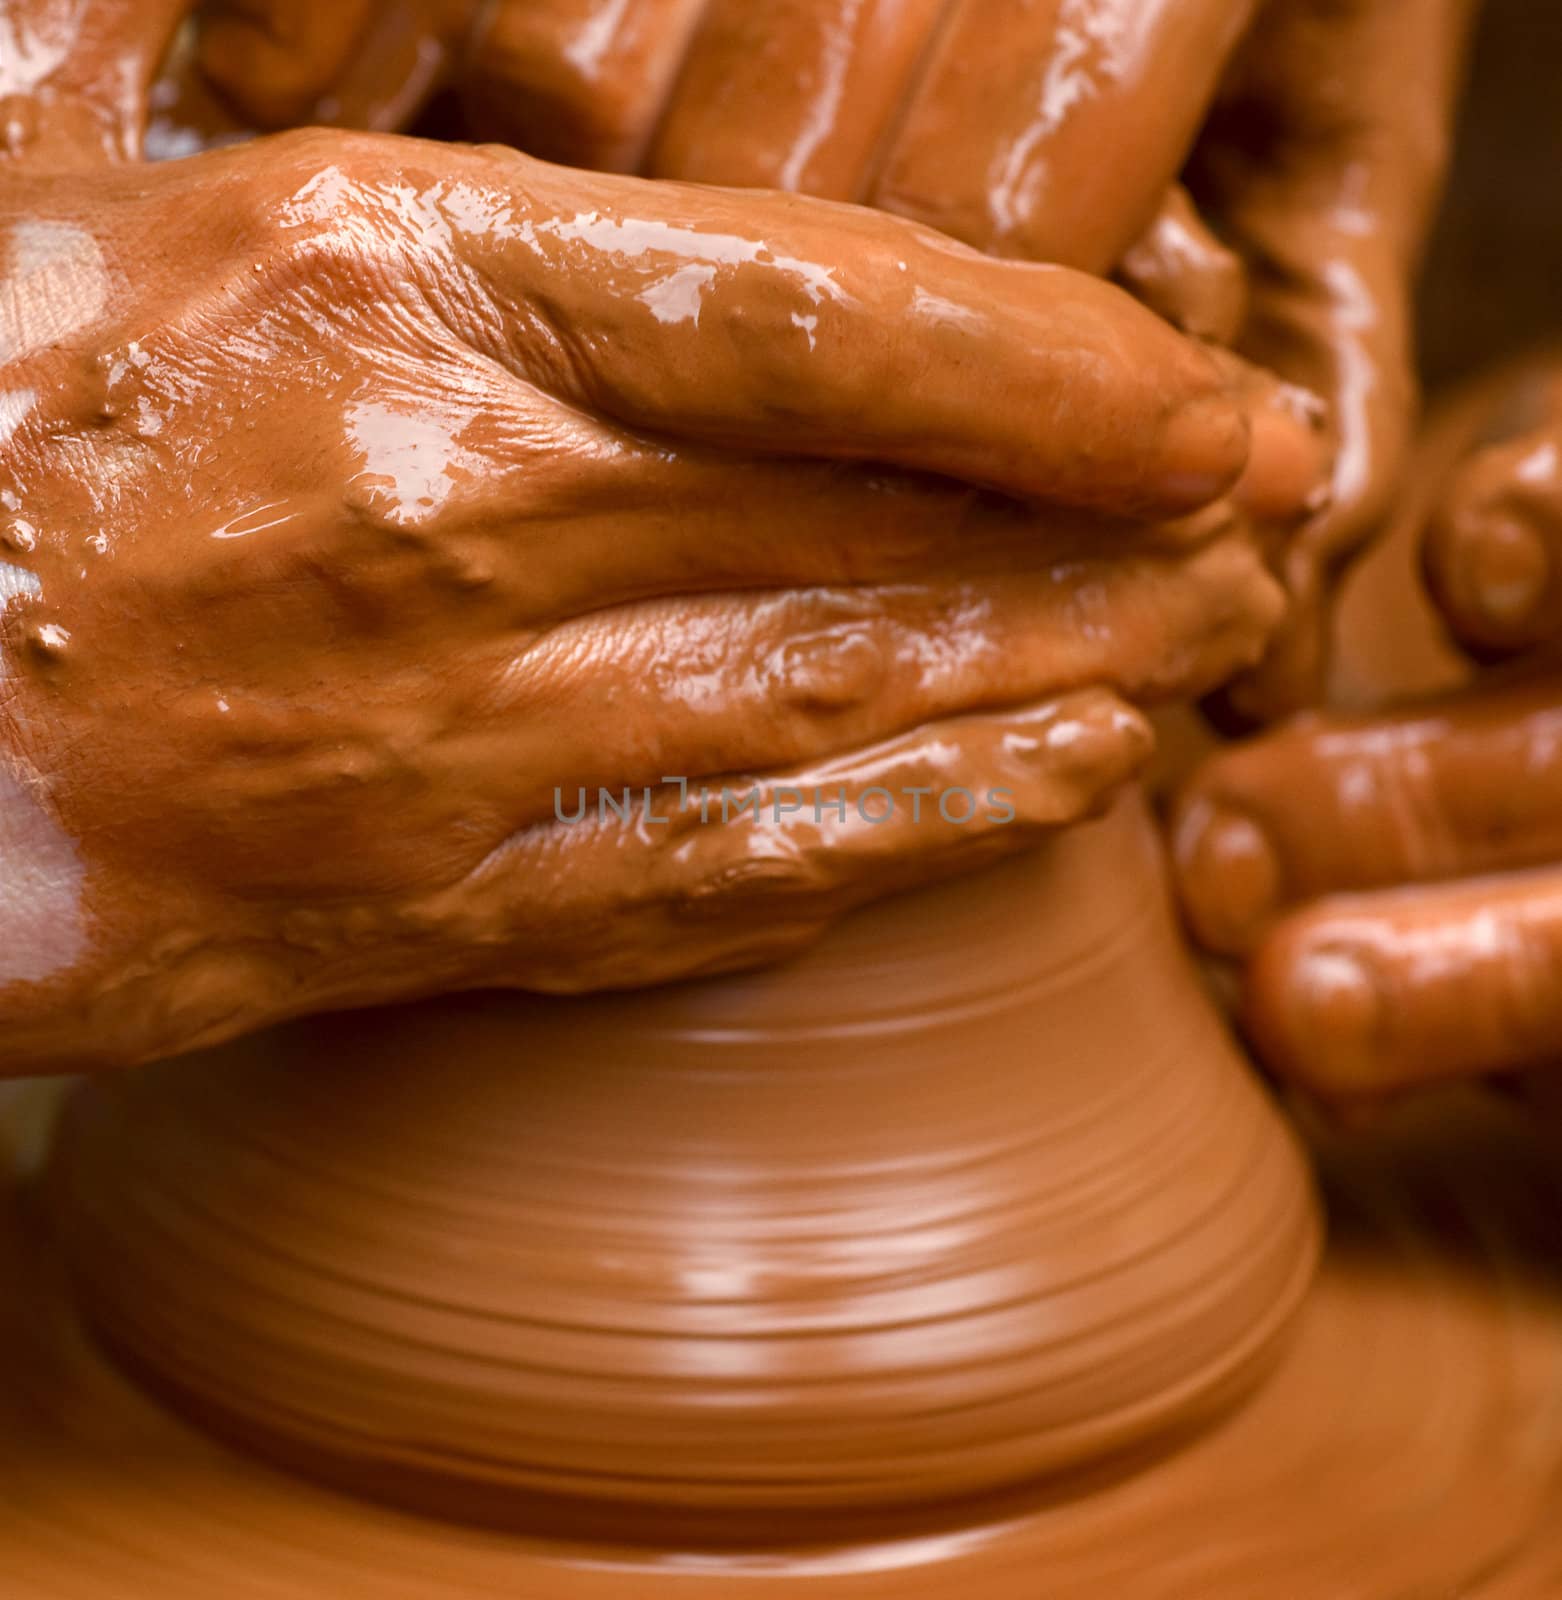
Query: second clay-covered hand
{"type": "Point", "coordinates": [1389, 876]}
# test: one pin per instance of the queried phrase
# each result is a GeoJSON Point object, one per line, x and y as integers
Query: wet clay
{"type": "Point", "coordinates": [928, 1264]}
{"type": "Point", "coordinates": [972, 1193]}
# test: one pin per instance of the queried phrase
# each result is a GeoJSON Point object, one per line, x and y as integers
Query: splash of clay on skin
{"type": "Point", "coordinates": [409, 459]}
{"type": "Point", "coordinates": [42, 929]}
{"type": "Point", "coordinates": [53, 285]}
{"type": "Point", "coordinates": [41, 925]}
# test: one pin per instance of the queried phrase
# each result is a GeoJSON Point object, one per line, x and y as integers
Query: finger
{"type": "Point", "coordinates": [1373, 993]}
{"type": "Point", "coordinates": [706, 522]}
{"type": "Point", "coordinates": [1182, 272]}
{"type": "Point", "coordinates": [792, 326]}
{"type": "Point", "coordinates": [273, 60]}
{"type": "Point", "coordinates": [508, 535]}
{"type": "Point", "coordinates": [1032, 136]}
{"type": "Point", "coordinates": [1323, 163]}
{"type": "Point", "coordinates": [576, 81]}
{"type": "Point", "coordinates": [511, 530]}
{"type": "Point", "coordinates": [1471, 784]}
{"type": "Point", "coordinates": [1289, 452]}
{"type": "Point", "coordinates": [792, 95]}
{"type": "Point", "coordinates": [1389, 643]}
{"type": "Point", "coordinates": [750, 682]}
{"type": "Point", "coordinates": [747, 870]}
{"type": "Point", "coordinates": [1494, 548]}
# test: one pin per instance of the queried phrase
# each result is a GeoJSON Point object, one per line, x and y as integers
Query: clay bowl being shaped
{"type": "Point", "coordinates": [960, 1256]}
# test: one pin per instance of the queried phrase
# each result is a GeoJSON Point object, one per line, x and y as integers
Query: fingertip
{"type": "Point", "coordinates": [1314, 1007]}
{"type": "Point", "coordinates": [1228, 873]}
{"type": "Point", "coordinates": [1490, 572]}
{"type": "Point", "coordinates": [1290, 676]}
{"type": "Point", "coordinates": [1095, 743]}
{"type": "Point", "coordinates": [1287, 473]}
{"type": "Point", "coordinates": [1203, 452]}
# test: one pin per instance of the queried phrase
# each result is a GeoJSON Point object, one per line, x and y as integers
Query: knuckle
{"type": "Point", "coordinates": [831, 669]}
{"type": "Point", "coordinates": [323, 201]}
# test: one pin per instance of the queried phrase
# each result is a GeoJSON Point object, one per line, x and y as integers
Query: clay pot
{"type": "Point", "coordinates": [974, 1193]}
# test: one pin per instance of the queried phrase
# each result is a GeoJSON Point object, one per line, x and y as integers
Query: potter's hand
{"type": "Point", "coordinates": [1392, 885]}
{"type": "Point", "coordinates": [1393, 881]}
{"type": "Point", "coordinates": [1322, 164]}
{"type": "Point", "coordinates": [1045, 132]}
{"type": "Point", "coordinates": [358, 494]}
{"type": "Point", "coordinates": [1052, 132]}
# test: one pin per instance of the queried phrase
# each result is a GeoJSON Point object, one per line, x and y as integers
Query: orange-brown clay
{"type": "Point", "coordinates": [971, 1194]}
{"type": "Point", "coordinates": [956, 1257]}
{"type": "Point", "coordinates": [678, 1256]}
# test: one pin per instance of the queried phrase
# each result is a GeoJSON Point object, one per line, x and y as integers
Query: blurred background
{"type": "Point", "coordinates": [1494, 278]}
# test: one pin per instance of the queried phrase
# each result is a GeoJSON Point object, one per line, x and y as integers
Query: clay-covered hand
{"type": "Point", "coordinates": [1049, 132]}
{"type": "Point", "coordinates": [1314, 134]}
{"type": "Point", "coordinates": [1323, 162]}
{"type": "Point", "coordinates": [363, 500]}
{"type": "Point", "coordinates": [1391, 880]}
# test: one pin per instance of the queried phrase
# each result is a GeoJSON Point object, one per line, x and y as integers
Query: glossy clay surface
{"type": "Point", "coordinates": [974, 1192]}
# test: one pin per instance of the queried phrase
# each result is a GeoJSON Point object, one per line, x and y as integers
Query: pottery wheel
{"type": "Point", "coordinates": [1409, 1444]}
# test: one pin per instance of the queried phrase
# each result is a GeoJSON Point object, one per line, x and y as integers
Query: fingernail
{"type": "Point", "coordinates": [1325, 1023]}
{"type": "Point", "coordinates": [1229, 873]}
{"type": "Point", "coordinates": [1504, 569]}
{"type": "Point", "coordinates": [1287, 467]}
{"type": "Point", "coordinates": [1204, 450]}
